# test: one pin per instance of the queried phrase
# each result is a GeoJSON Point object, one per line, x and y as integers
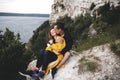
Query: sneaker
{"type": "Point", "coordinates": [41, 74]}
{"type": "Point", "coordinates": [36, 71]}
{"type": "Point", "coordinates": [27, 73]}
{"type": "Point", "coordinates": [35, 74]}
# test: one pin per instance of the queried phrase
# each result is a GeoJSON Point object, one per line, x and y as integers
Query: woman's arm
{"type": "Point", "coordinates": [56, 52]}
{"type": "Point", "coordinates": [57, 46]}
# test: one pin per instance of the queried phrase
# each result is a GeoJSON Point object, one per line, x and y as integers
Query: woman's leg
{"type": "Point", "coordinates": [48, 58]}
{"type": "Point", "coordinates": [40, 58]}
{"type": "Point", "coordinates": [38, 64]}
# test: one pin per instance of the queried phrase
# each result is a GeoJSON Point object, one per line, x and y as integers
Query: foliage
{"type": "Point", "coordinates": [85, 64]}
{"type": "Point", "coordinates": [15, 57]}
{"type": "Point", "coordinates": [109, 14]}
{"type": "Point", "coordinates": [106, 25]}
{"type": "Point", "coordinates": [92, 42]}
{"type": "Point", "coordinates": [40, 37]}
{"type": "Point", "coordinates": [81, 24]}
{"type": "Point", "coordinates": [115, 47]}
{"type": "Point", "coordinates": [92, 6]}
{"type": "Point", "coordinates": [103, 9]}
{"type": "Point", "coordinates": [100, 26]}
{"type": "Point", "coordinates": [12, 55]}
{"type": "Point", "coordinates": [77, 27]}
{"type": "Point", "coordinates": [91, 66]}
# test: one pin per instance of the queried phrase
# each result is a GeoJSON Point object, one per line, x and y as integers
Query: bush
{"type": "Point", "coordinates": [91, 66]}
{"type": "Point", "coordinates": [39, 38]}
{"type": "Point", "coordinates": [100, 26]}
{"type": "Point", "coordinates": [109, 14]}
{"type": "Point", "coordinates": [115, 47]}
{"type": "Point", "coordinates": [92, 6]}
{"type": "Point", "coordinates": [106, 25]}
{"type": "Point", "coordinates": [85, 64]}
{"type": "Point", "coordinates": [12, 56]}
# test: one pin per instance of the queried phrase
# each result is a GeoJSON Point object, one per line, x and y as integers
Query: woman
{"type": "Point", "coordinates": [50, 54]}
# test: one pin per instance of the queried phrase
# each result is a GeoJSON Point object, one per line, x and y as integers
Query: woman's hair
{"type": "Point", "coordinates": [49, 34]}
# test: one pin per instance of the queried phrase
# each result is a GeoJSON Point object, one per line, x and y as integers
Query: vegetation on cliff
{"type": "Point", "coordinates": [15, 56]}
{"type": "Point", "coordinates": [106, 26]}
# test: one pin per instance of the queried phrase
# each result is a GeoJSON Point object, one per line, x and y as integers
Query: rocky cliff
{"type": "Point", "coordinates": [73, 8]}
{"type": "Point", "coordinates": [97, 63]}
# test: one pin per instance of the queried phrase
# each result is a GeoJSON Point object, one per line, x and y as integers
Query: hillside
{"type": "Point", "coordinates": [73, 8]}
{"type": "Point", "coordinates": [87, 31]}
{"type": "Point", "coordinates": [97, 63]}
{"type": "Point", "coordinates": [96, 41]}
{"type": "Point", "coordinates": [93, 62]}
{"type": "Point", "coordinates": [21, 14]}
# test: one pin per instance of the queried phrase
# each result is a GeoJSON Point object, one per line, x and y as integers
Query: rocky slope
{"type": "Point", "coordinates": [73, 8]}
{"type": "Point", "coordinates": [97, 63]}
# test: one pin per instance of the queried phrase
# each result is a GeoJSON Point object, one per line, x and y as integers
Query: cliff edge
{"type": "Point", "coordinates": [97, 63]}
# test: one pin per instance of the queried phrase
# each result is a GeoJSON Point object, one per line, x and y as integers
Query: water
{"type": "Point", "coordinates": [23, 25]}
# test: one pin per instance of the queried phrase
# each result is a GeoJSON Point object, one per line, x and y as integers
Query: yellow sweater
{"type": "Point", "coordinates": [57, 46]}
{"type": "Point", "coordinates": [54, 63]}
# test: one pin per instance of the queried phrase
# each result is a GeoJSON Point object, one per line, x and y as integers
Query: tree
{"type": "Point", "coordinates": [92, 6]}
{"type": "Point", "coordinates": [12, 55]}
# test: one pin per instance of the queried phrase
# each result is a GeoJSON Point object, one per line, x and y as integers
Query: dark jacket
{"type": "Point", "coordinates": [69, 42]}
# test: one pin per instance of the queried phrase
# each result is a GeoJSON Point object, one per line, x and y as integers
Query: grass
{"type": "Point", "coordinates": [91, 66]}
{"type": "Point", "coordinates": [86, 64]}
{"type": "Point", "coordinates": [92, 42]}
{"type": "Point", "coordinates": [115, 47]}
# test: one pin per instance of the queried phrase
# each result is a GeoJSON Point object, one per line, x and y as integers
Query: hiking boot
{"type": "Point", "coordinates": [41, 74]}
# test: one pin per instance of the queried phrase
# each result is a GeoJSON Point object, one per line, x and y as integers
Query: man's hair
{"type": "Point", "coordinates": [60, 25]}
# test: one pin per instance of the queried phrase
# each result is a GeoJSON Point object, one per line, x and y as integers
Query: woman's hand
{"type": "Point", "coordinates": [57, 53]}
{"type": "Point", "coordinates": [51, 41]}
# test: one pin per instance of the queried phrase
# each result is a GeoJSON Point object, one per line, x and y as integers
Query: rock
{"type": "Point", "coordinates": [73, 8]}
{"type": "Point", "coordinates": [76, 68]}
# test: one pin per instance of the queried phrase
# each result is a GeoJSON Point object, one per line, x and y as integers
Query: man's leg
{"type": "Point", "coordinates": [65, 58]}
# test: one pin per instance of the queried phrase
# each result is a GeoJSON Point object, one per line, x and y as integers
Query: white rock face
{"type": "Point", "coordinates": [73, 8]}
{"type": "Point", "coordinates": [108, 69]}
{"type": "Point", "coordinates": [108, 66]}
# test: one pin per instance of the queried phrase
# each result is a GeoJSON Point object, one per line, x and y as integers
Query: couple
{"type": "Point", "coordinates": [58, 48]}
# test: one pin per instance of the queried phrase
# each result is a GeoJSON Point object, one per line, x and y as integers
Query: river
{"type": "Point", "coordinates": [23, 25]}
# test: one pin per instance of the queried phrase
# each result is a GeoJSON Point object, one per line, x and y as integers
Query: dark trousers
{"type": "Point", "coordinates": [44, 58]}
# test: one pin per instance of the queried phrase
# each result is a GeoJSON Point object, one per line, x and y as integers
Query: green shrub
{"type": "Point", "coordinates": [91, 66]}
{"type": "Point", "coordinates": [115, 47]}
{"type": "Point", "coordinates": [106, 25]}
{"type": "Point", "coordinates": [92, 6]}
{"type": "Point", "coordinates": [114, 30]}
{"type": "Point", "coordinates": [39, 38]}
{"type": "Point", "coordinates": [85, 64]}
{"type": "Point", "coordinates": [109, 14]}
{"type": "Point", "coordinates": [13, 57]}
{"type": "Point", "coordinates": [100, 26]}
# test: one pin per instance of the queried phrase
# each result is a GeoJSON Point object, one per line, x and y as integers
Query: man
{"type": "Point", "coordinates": [59, 28]}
